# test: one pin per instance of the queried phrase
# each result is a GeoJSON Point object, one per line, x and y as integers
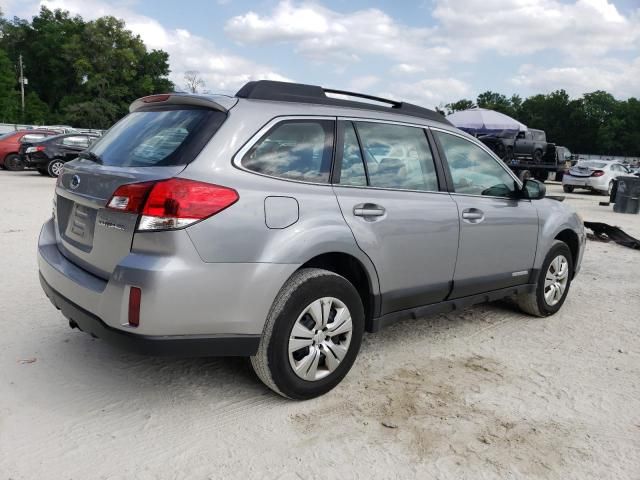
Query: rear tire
{"type": "Point", "coordinates": [537, 156]}
{"type": "Point", "coordinates": [274, 364]}
{"type": "Point", "coordinates": [13, 162]}
{"type": "Point", "coordinates": [567, 188]}
{"type": "Point", "coordinates": [553, 283]}
{"type": "Point", "coordinates": [54, 168]}
{"type": "Point", "coordinates": [509, 155]}
{"type": "Point", "coordinates": [609, 189]}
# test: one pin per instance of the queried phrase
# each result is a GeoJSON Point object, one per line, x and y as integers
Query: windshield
{"type": "Point", "coordinates": [592, 164]}
{"type": "Point", "coordinates": [158, 137]}
{"type": "Point", "coordinates": [506, 134]}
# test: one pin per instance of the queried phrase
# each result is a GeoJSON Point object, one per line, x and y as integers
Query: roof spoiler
{"type": "Point", "coordinates": [222, 103]}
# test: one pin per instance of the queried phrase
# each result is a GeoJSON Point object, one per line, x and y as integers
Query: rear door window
{"type": "Point", "coordinates": [352, 170]}
{"type": "Point", "coordinates": [294, 149]}
{"type": "Point", "coordinates": [158, 137]}
{"type": "Point", "coordinates": [397, 156]}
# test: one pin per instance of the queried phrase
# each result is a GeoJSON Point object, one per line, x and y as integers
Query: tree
{"type": "Point", "coordinates": [594, 123]}
{"type": "Point", "coordinates": [495, 101]}
{"type": "Point", "coordinates": [193, 81]}
{"type": "Point", "coordinates": [71, 64]}
{"type": "Point", "coordinates": [9, 95]}
{"type": "Point", "coordinates": [458, 106]}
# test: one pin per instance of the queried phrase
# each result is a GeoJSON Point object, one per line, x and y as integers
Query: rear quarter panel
{"type": "Point", "coordinates": [240, 233]}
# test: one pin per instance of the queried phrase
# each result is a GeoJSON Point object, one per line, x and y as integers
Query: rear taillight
{"type": "Point", "coordinates": [130, 198]}
{"type": "Point", "coordinates": [173, 203]}
{"type": "Point", "coordinates": [597, 173]}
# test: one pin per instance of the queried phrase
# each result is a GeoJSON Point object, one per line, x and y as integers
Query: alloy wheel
{"type": "Point", "coordinates": [56, 168]}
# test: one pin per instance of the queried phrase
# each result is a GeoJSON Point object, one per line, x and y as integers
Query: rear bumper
{"type": "Point", "coordinates": [34, 162]}
{"type": "Point", "coordinates": [182, 296]}
{"type": "Point", "coordinates": [598, 183]}
{"type": "Point", "coordinates": [181, 346]}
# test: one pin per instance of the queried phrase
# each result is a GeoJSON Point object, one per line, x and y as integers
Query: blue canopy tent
{"type": "Point", "coordinates": [481, 121]}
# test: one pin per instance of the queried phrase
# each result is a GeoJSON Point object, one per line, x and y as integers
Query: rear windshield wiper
{"type": "Point", "coordinates": [91, 156]}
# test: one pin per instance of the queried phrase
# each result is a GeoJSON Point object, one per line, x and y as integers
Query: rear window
{"type": "Point", "coordinates": [158, 137]}
{"type": "Point", "coordinates": [32, 137]}
{"type": "Point", "coordinates": [592, 164]}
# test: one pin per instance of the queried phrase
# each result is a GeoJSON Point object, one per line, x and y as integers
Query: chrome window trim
{"type": "Point", "coordinates": [367, 187]}
{"type": "Point", "coordinates": [236, 161]}
{"type": "Point", "coordinates": [378, 120]}
{"type": "Point", "coordinates": [487, 150]}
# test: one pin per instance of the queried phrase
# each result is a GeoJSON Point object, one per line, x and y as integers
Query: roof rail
{"type": "Point", "coordinates": [301, 93]}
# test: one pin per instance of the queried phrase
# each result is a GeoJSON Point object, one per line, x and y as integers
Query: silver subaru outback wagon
{"type": "Point", "coordinates": [282, 223]}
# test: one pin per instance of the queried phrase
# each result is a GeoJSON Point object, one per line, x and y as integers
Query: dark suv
{"type": "Point", "coordinates": [50, 154]}
{"type": "Point", "coordinates": [531, 144]}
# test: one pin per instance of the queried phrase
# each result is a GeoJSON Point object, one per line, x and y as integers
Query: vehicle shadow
{"type": "Point", "coordinates": [101, 368]}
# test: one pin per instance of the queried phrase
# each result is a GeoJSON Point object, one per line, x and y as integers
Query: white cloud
{"type": "Point", "coordinates": [430, 92]}
{"type": "Point", "coordinates": [220, 70]}
{"type": "Point", "coordinates": [582, 32]}
{"type": "Point", "coordinates": [610, 75]}
{"type": "Point", "coordinates": [465, 28]}
{"type": "Point", "coordinates": [514, 27]}
{"type": "Point", "coordinates": [363, 83]}
{"type": "Point", "coordinates": [326, 35]}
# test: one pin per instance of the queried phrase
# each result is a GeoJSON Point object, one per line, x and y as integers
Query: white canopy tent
{"type": "Point", "coordinates": [481, 121]}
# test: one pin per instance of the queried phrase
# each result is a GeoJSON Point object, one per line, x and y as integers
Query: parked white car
{"type": "Point", "coordinates": [593, 175]}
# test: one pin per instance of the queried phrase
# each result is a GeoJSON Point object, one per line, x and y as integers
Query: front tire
{"type": "Point", "coordinates": [54, 168]}
{"type": "Point", "coordinates": [553, 283]}
{"type": "Point", "coordinates": [312, 335]}
{"type": "Point", "coordinates": [567, 188]}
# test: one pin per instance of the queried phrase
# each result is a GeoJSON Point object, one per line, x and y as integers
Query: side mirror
{"type": "Point", "coordinates": [533, 189]}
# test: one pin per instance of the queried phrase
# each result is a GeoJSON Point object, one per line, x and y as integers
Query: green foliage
{"type": "Point", "coordinates": [9, 100]}
{"type": "Point", "coordinates": [595, 123]}
{"type": "Point", "coordinates": [80, 73]}
{"type": "Point", "coordinates": [463, 104]}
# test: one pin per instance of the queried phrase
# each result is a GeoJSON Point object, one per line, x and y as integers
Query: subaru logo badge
{"type": "Point", "coordinates": [75, 182]}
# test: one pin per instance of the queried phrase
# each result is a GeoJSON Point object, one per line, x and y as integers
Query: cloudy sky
{"type": "Point", "coordinates": [426, 51]}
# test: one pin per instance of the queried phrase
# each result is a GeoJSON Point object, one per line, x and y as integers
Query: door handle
{"type": "Point", "coordinates": [368, 210]}
{"type": "Point", "coordinates": [473, 215]}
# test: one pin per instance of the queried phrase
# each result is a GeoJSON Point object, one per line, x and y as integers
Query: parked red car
{"type": "Point", "coordinates": [10, 145]}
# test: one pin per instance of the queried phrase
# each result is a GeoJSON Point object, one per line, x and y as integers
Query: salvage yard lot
{"type": "Point", "coordinates": [484, 393]}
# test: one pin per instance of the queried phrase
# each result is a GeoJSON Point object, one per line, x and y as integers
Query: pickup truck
{"type": "Point", "coordinates": [527, 153]}
{"type": "Point", "coordinates": [530, 144]}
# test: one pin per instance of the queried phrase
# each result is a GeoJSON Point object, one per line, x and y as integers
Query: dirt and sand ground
{"type": "Point", "coordinates": [484, 393]}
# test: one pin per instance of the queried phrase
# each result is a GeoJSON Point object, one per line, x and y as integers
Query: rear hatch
{"type": "Point", "coordinates": [154, 142]}
{"type": "Point", "coordinates": [585, 169]}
